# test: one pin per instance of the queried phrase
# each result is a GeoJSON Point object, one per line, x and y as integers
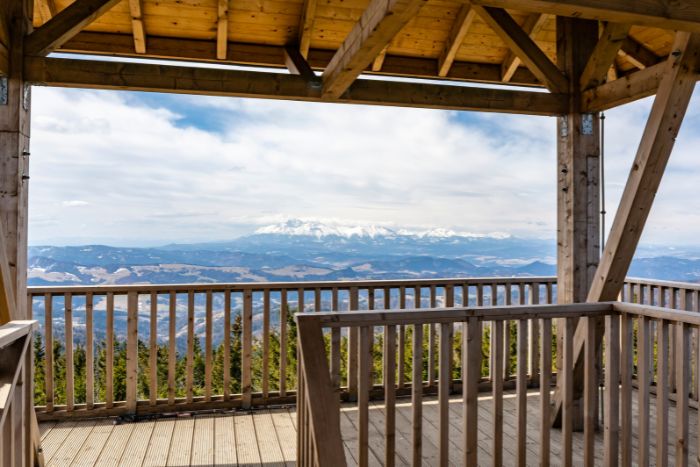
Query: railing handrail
{"type": "Point", "coordinates": [286, 285]}
{"type": "Point", "coordinates": [10, 332]}
{"type": "Point", "coordinates": [663, 283]}
{"type": "Point", "coordinates": [454, 315]}
{"type": "Point", "coordinates": [691, 318]}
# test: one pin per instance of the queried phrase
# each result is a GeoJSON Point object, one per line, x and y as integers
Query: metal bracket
{"type": "Point", "coordinates": [563, 126]}
{"type": "Point", "coordinates": [3, 90]}
{"type": "Point", "coordinates": [587, 124]}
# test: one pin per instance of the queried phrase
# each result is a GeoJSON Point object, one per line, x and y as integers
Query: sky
{"type": "Point", "coordinates": [138, 169]}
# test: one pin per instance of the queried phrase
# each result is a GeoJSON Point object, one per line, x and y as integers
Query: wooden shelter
{"type": "Point", "coordinates": [565, 59]}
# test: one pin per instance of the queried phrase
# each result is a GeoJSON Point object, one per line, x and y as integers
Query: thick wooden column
{"type": "Point", "coordinates": [14, 149]}
{"type": "Point", "coordinates": [578, 158]}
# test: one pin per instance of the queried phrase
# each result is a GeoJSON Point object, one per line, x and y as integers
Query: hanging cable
{"type": "Point", "coordinates": [602, 182]}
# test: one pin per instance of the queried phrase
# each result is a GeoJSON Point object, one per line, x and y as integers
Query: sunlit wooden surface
{"type": "Point", "coordinates": [267, 437]}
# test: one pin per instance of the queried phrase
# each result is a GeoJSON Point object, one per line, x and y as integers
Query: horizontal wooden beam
{"type": "Point", "coordinates": [375, 29]}
{"type": "Point", "coordinates": [677, 15]}
{"type": "Point", "coordinates": [65, 25]}
{"type": "Point", "coordinates": [524, 47]}
{"type": "Point", "coordinates": [273, 56]}
{"type": "Point", "coordinates": [91, 74]}
{"type": "Point", "coordinates": [635, 86]}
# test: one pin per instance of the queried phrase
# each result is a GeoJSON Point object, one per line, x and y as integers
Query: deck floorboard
{"type": "Point", "coordinates": [267, 437]}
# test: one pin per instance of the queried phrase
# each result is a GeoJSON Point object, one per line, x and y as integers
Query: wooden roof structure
{"type": "Point", "coordinates": [504, 42]}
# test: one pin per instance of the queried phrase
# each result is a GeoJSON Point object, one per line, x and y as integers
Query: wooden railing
{"type": "Point", "coordinates": [630, 330]}
{"type": "Point", "coordinates": [135, 349]}
{"type": "Point", "coordinates": [16, 394]}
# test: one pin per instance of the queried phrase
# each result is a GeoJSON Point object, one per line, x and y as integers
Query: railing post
{"type": "Point", "coordinates": [132, 365]}
{"type": "Point", "coordinates": [247, 356]}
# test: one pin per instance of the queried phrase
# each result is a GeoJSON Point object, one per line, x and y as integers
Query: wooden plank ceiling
{"type": "Point", "coordinates": [445, 40]}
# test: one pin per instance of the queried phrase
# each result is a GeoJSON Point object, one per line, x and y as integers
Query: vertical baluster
{"type": "Point", "coordinates": [208, 344]}
{"type": "Point", "coordinates": [189, 363]}
{"type": "Point", "coordinates": [589, 392]}
{"type": "Point", "coordinates": [389, 393]}
{"type": "Point", "coordinates": [132, 349]}
{"type": "Point", "coordinates": [48, 350]}
{"type": "Point", "coordinates": [227, 344]}
{"type": "Point", "coordinates": [301, 306]}
{"type": "Point", "coordinates": [612, 391]}
{"type": "Point", "coordinates": [567, 370]}
{"type": "Point", "coordinates": [534, 346]}
{"type": "Point", "coordinates": [465, 295]}
{"type": "Point", "coordinates": [550, 295]}
{"type": "Point", "coordinates": [283, 343]}
{"type": "Point", "coordinates": [109, 352]}
{"type": "Point", "coordinates": [68, 309]}
{"type": "Point", "coordinates": [643, 373]}
{"type": "Point", "coordinates": [89, 353]}
{"type": "Point", "coordinates": [682, 391]}
{"type": "Point", "coordinates": [153, 350]}
{"type": "Point", "coordinates": [335, 344]}
{"type": "Point", "coordinates": [402, 340]}
{"type": "Point", "coordinates": [506, 334]}
{"type": "Point", "coordinates": [371, 306]}
{"type": "Point", "coordinates": [545, 382]}
{"type": "Point", "coordinates": [247, 354]}
{"type": "Point", "coordinates": [497, 390]}
{"type": "Point", "coordinates": [352, 347]}
{"type": "Point", "coordinates": [521, 390]}
{"type": "Point", "coordinates": [471, 375]}
{"type": "Point", "coordinates": [431, 339]}
{"type": "Point", "coordinates": [266, 345]}
{"type": "Point", "coordinates": [317, 299]}
{"type": "Point", "coordinates": [363, 386]}
{"type": "Point", "coordinates": [449, 303]}
{"type": "Point", "coordinates": [626, 371]}
{"type": "Point", "coordinates": [662, 394]}
{"type": "Point", "coordinates": [444, 380]}
{"type": "Point", "coordinates": [172, 346]}
{"type": "Point", "coordinates": [417, 394]}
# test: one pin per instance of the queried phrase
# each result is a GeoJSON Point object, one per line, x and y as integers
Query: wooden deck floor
{"type": "Point", "coordinates": [268, 438]}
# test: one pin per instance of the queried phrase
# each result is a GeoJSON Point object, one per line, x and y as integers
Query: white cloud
{"type": "Point", "coordinates": [146, 175]}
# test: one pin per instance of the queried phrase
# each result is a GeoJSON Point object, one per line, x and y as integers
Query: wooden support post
{"type": "Point", "coordinates": [578, 206]}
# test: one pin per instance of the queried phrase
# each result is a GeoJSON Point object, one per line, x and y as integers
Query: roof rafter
{"type": "Point", "coordinates": [604, 54]}
{"type": "Point", "coordinates": [222, 30]}
{"type": "Point", "coordinates": [378, 62]}
{"type": "Point", "coordinates": [297, 65]}
{"type": "Point", "coordinates": [638, 54]}
{"type": "Point", "coordinates": [65, 25]}
{"type": "Point", "coordinates": [307, 26]}
{"type": "Point", "coordinates": [136, 10]}
{"type": "Point", "coordinates": [378, 25]}
{"type": "Point", "coordinates": [679, 14]}
{"type": "Point", "coordinates": [96, 74]}
{"type": "Point", "coordinates": [47, 9]}
{"type": "Point", "coordinates": [532, 26]}
{"type": "Point", "coordinates": [635, 86]}
{"type": "Point", "coordinates": [459, 30]}
{"type": "Point", "coordinates": [524, 47]}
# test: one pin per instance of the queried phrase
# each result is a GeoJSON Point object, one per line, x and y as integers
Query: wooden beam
{"type": "Point", "coordinates": [672, 98]}
{"type": "Point", "coordinates": [65, 25]}
{"type": "Point", "coordinates": [532, 26]}
{"type": "Point", "coordinates": [604, 54]}
{"type": "Point", "coordinates": [677, 15]}
{"type": "Point", "coordinates": [238, 83]}
{"type": "Point", "coordinates": [380, 22]}
{"type": "Point", "coordinates": [635, 86]}
{"type": "Point", "coordinates": [307, 26]}
{"type": "Point", "coordinates": [297, 65]}
{"type": "Point", "coordinates": [460, 27]}
{"type": "Point", "coordinates": [194, 50]}
{"type": "Point", "coordinates": [136, 10]}
{"type": "Point", "coordinates": [47, 9]}
{"type": "Point", "coordinates": [222, 30]}
{"type": "Point", "coordinates": [638, 54]}
{"type": "Point", "coordinates": [378, 62]}
{"type": "Point", "coordinates": [8, 307]}
{"type": "Point", "coordinates": [663, 125]}
{"type": "Point", "coordinates": [524, 47]}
